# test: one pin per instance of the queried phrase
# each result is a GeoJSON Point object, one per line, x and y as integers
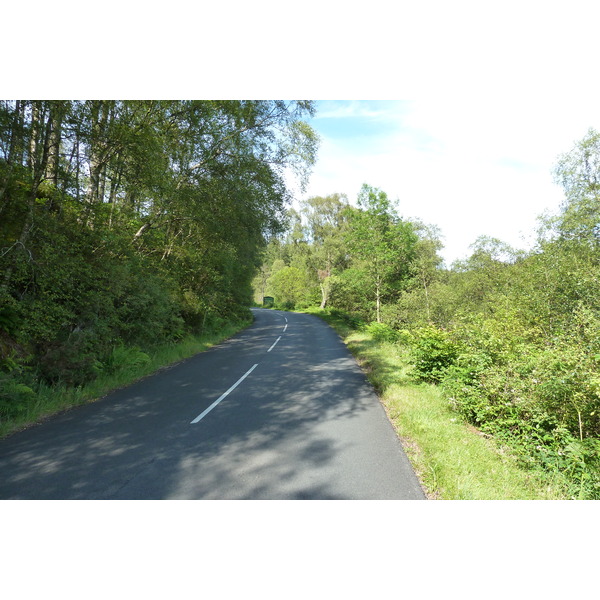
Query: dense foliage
{"type": "Point", "coordinates": [127, 224]}
{"type": "Point", "coordinates": [512, 337]}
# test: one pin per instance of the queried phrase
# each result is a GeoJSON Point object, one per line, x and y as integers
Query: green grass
{"type": "Point", "coordinates": [452, 459]}
{"type": "Point", "coordinates": [51, 400]}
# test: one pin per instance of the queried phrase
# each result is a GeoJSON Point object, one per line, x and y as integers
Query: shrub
{"type": "Point", "coordinates": [381, 332]}
{"type": "Point", "coordinates": [461, 385]}
{"type": "Point", "coordinates": [286, 305]}
{"type": "Point", "coordinates": [351, 320]}
{"type": "Point", "coordinates": [122, 357]}
{"type": "Point", "coordinates": [541, 403]}
{"type": "Point", "coordinates": [70, 362]}
{"type": "Point", "coordinates": [15, 396]}
{"type": "Point", "coordinates": [350, 292]}
{"type": "Point", "coordinates": [433, 351]}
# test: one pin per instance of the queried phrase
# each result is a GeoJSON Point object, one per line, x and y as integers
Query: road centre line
{"type": "Point", "coordinates": [274, 343]}
{"type": "Point", "coordinates": [224, 395]}
{"type": "Point", "coordinates": [202, 415]}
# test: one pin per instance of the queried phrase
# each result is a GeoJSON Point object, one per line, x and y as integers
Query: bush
{"type": "Point", "coordinates": [287, 305]}
{"type": "Point", "coordinates": [461, 385]}
{"type": "Point", "coordinates": [541, 403]}
{"type": "Point", "coordinates": [290, 287]}
{"type": "Point", "coordinates": [71, 362]}
{"type": "Point", "coordinates": [381, 332]}
{"type": "Point", "coordinates": [353, 321]}
{"type": "Point", "coordinates": [433, 352]}
{"type": "Point", "coordinates": [15, 397]}
{"type": "Point", "coordinates": [122, 357]}
{"type": "Point", "coordinates": [350, 292]}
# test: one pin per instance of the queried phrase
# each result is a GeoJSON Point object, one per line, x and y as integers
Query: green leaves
{"type": "Point", "coordinates": [380, 244]}
{"type": "Point", "coordinates": [15, 396]}
{"type": "Point", "coordinates": [382, 332]}
{"type": "Point", "coordinates": [578, 171]}
{"type": "Point", "coordinates": [290, 287]}
{"type": "Point", "coordinates": [433, 352]}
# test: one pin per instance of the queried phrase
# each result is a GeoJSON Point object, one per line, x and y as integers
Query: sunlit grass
{"type": "Point", "coordinates": [452, 459]}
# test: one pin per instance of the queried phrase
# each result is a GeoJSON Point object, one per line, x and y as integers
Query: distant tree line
{"type": "Point", "coordinates": [362, 259]}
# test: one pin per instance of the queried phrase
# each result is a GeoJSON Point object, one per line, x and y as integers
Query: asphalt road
{"type": "Point", "coordinates": [280, 411]}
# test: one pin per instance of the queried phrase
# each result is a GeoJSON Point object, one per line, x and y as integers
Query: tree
{"type": "Point", "coordinates": [289, 286]}
{"type": "Point", "coordinates": [427, 261]}
{"type": "Point", "coordinates": [578, 171]}
{"type": "Point", "coordinates": [326, 223]}
{"type": "Point", "coordinates": [381, 243]}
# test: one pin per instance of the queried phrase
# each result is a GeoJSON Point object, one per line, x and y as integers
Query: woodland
{"type": "Point", "coordinates": [126, 225]}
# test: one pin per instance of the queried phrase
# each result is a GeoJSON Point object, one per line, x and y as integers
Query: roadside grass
{"type": "Point", "coordinates": [51, 400]}
{"type": "Point", "coordinates": [452, 459]}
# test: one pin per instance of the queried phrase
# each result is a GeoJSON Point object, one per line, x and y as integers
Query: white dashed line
{"type": "Point", "coordinates": [274, 343]}
{"type": "Point", "coordinates": [202, 415]}
{"type": "Point", "coordinates": [216, 402]}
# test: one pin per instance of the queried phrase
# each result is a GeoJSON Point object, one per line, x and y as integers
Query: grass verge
{"type": "Point", "coordinates": [51, 400]}
{"type": "Point", "coordinates": [452, 459]}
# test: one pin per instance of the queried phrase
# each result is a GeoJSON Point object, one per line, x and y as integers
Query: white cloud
{"type": "Point", "coordinates": [360, 109]}
{"type": "Point", "coordinates": [473, 167]}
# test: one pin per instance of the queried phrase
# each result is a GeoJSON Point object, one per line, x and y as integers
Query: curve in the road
{"type": "Point", "coordinates": [279, 411]}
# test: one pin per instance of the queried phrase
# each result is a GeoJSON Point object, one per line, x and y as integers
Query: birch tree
{"type": "Point", "coordinates": [380, 242]}
{"type": "Point", "coordinates": [326, 223]}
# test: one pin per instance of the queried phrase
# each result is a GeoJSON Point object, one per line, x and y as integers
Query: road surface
{"type": "Point", "coordinates": [280, 411]}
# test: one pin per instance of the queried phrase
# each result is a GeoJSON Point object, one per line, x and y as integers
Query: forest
{"type": "Point", "coordinates": [511, 337]}
{"type": "Point", "coordinates": [128, 225]}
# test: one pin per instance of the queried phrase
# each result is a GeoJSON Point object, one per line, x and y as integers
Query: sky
{"type": "Point", "coordinates": [470, 166]}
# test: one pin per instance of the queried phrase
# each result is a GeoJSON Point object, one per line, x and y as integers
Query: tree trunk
{"type": "Point", "coordinates": [15, 134]}
{"type": "Point", "coordinates": [102, 184]}
{"type": "Point", "coordinates": [378, 298]}
{"type": "Point", "coordinates": [35, 116]}
{"type": "Point", "coordinates": [140, 231]}
{"type": "Point", "coordinates": [325, 289]}
{"type": "Point", "coordinates": [20, 149]}
{"type": "Point", "coordinates": [323, 296]}
{"type": "Point", "coordinates": [94, 158]}
{"type": "Point", "coordinates": [99, 116]}
{"type": "Point", "coordinates": [56, 117]}
{"type": "Point", "coordinates": [112, 197]}
{"type": "Point", "coordinates": [424, 279]}
{"type": "Point", "coordinates": [77, 169]}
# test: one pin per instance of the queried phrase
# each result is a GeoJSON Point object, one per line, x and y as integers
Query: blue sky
{"type": "Point", "coordinates": [470, 166]}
